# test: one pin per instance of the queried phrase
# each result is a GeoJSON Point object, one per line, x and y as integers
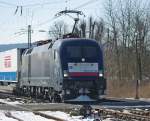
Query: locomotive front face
{"type": "Point", "coordinates": [82, 65]}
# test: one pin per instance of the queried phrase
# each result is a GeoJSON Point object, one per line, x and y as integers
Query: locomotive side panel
{"type": "Point", "coordinates": [34, 72]}
{"type": "Point", "coordinates": [44, 67]}
{"type": "Point", "coordinates": [56, 71]}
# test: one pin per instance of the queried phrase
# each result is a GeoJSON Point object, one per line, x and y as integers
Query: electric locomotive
{"type": "Point", "coordinates": [63, 70]}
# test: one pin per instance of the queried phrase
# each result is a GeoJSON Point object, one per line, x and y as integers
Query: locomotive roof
{"type": "Point", "coordinates": [61, 42]}
{"type": "Point", "coordinates": [56, 44]}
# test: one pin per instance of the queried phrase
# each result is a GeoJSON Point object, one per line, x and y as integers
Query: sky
{"type": "Point", "coordinates": [16, 15]}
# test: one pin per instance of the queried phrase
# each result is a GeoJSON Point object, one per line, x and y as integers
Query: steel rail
{"type": "Point", "coordinates": [8, 114]}
{"type": "Point", "coordinates": [123, 115]}
{"type": "Point", "coordinates": [140, 112]}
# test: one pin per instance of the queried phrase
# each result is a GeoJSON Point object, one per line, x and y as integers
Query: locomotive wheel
{"type": "Point", "coordinates": [56, 98]}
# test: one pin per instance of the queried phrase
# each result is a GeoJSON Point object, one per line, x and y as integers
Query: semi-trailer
{"type": "Point", "coordinates": [10, 62]}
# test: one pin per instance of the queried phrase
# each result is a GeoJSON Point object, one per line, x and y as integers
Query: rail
{"type": "Point", "coordinates": [123, 115]}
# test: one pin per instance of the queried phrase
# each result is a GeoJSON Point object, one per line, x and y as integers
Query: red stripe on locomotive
{"type": "Point", "coordinates": [83, 74]}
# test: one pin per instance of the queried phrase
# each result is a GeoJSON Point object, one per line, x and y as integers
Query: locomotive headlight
{"type": "Point", "coordinates": [100, 74]}
{"type": "Point", "coordinates": [65, 73]}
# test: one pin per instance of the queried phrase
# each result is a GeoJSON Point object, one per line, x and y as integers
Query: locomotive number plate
{"type": "Point", "coordinates": [83, 67]}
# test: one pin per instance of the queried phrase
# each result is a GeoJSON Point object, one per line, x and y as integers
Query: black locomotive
{"type": "Point", "coordinates": [63, 70]}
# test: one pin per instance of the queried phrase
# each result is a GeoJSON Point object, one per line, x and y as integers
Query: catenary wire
{"type": "Point", "coordinates": [46, 3]}
{"type": "Point", "coordinates": [80, 6]}
{"type": "Point", "coordinates": [40, 4]}
{"type": "Point", "coordinates": [6, 3]}
{"type": "Point", "coordinates": [85, 4]}
{"type": "Point", "coordinates": [29, 5]}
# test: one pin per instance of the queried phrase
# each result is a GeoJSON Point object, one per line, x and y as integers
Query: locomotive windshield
{"type": "Point", "coordinates": [81, 51]}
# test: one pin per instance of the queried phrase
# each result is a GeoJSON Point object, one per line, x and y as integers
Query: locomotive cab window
{"type": "Point", "coordinates": [81, 51]}
{"type": "Point", "coordinates": [89, 51]}
{"type": "Point", "coordinates": [74, 51]}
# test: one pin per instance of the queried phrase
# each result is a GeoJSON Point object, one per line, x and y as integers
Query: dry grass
{"type": "Point", "coordinates": [127, 90]}
{"type": "Point", "coordinates": [145, 90]}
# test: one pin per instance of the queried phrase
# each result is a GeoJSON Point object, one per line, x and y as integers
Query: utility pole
{"type": "Point", "coordinates": [139, 67]}
{"type": "Point", "coordinates": [29, 57]}
{"type": "Point", "coordinates": [29, 36]}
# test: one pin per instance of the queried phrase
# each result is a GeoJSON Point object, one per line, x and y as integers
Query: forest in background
{"type": "Point", "coordinates": [124, 35]}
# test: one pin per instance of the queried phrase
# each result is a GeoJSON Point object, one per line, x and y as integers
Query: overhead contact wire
{"type": "Point", "coordinates": [85, 4]}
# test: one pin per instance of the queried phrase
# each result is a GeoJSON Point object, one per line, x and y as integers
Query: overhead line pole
{"type": "Point", "coordinates": [29, 36]}
{"type": "Point", "coordinates": [29, 57]}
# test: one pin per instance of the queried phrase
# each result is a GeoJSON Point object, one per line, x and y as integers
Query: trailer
{"type": "Point", "coordinates": [10, 63]}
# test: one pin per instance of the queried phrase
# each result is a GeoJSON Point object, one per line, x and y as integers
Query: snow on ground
{"type": "Point", "coordinates": [140, 99]}
{"type": "Point", "coordinates": [110, 119]}
{"type": "Point", "coordinates": [8, 101]}
{"type": "Point", "coordinates": [24, 116]}
{"type": "Point", "coordinates": [126, 111]}
{"type": "Point", "coordinates": [62, 115]}
{"type": "Point", "coordinates": [4, 118]}
{"type": "Point", "coordinates": [82, 98]}
{"type": "Point", "coordinates": [29, 116]}
{"type": "Point", "coordinates": [67, 117]}
{"type": "Point", "coordinates": [145, 99]}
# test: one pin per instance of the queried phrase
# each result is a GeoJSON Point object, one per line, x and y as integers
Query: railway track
{"type": "Point", "coordinates": [10, 97]}
{"type": "Point", "coordinates": [6, 94]}
{"type": "Point", "coordinates": [140, 112]}
{"type": "Point", "coordinates": [23, 99]}
{"type": "Point", "coordinates": [36, 113]}
{"type": "Point", "coordinates": [103, 113]}
{"type": "Point", "coordinates": [127, 116]}
{"type": "Point", "coordinates": [117, 113]}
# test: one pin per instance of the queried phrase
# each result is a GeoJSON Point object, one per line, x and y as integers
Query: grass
{"type": "Point", "coordinates": [127, 89]}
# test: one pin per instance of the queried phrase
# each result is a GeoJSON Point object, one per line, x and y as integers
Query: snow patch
{"type": "Point", "coordinates": [28, 116]}
{"type": "Point", "coordinates": [7, 101]}
{"type": "Point", "coordinates": [3, 117]}
{"type": "Point", "coordinates": [82, 98]}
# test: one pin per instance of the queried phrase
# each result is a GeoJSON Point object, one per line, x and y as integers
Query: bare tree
{"type": "Point", "coordinates": [58, 29]}
{"type": "Point", "coordinates": [92, 29]}
{"type": "Point", "coordinates": [83, 28]}
{"type": "Point", "coordinates": [99, 31]}
{"type": "Point", "coordinates": [128, 36]}
{"type": "Point", "coordinates": [113, 27]}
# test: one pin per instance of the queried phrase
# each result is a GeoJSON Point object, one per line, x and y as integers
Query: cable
{"type": "Point", "coordinates": [40, 4]}
{"type": "Point", "coordinates": [85, 4]}
{"type": "Point", "coordinates": [6, 3]}
{"type": "Point", "coordinates": [45, 22]}
{"type": "Point", "coordinates": [49, 20]}
{"type": "Point", "coordinates": [29, 5]}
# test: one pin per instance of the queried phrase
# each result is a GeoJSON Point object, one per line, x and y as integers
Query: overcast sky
{"type": "Point", "coordinates": [40, 14]}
